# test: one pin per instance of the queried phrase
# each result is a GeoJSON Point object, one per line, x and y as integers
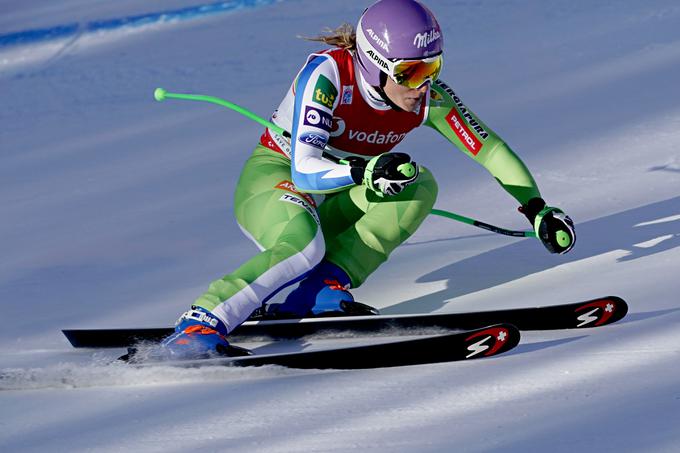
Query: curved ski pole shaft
{"type": "Point", "coordinates": [160, 95]}
{"type": "Point", "coordinates": [485, 226]}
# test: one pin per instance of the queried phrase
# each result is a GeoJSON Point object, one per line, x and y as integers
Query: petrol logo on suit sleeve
{"type": "Point", "coordinates": [464, 134]}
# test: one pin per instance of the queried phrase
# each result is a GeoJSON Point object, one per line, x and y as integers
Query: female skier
{"type": "Point", "coordinates": [328, 221]}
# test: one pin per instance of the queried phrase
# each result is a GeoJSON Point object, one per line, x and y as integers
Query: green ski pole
{"type": "Point", "coordinates": [160, 95]}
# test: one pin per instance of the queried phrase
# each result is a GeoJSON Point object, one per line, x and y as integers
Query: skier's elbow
{"type": "Point", "coordinates": [303, 182]}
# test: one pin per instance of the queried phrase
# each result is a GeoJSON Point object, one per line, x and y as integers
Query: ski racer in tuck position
{"type": "Point", "coordinates": [327, 225]}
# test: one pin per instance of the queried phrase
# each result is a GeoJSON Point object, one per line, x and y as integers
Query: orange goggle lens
{"type": "Point", "coordinates": [414, 73]}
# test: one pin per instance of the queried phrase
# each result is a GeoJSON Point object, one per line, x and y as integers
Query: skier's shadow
{"type": "Point", "coordinates": [640, 316]}
{"type": "Point", "coordinates": [640, 232]}
{"type": "Point", "coordinates": [524, 348]}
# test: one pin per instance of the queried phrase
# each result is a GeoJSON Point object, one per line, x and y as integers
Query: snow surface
{"type": "Point", "coordinates": [115, 211]}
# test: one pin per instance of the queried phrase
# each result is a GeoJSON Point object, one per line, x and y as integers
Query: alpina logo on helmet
{"type": "Point", "coordinates": [377, 39]}
{"type": "Point", "coordinates": [377, 59]}
{"type": "Point", "coordinates": [422, 40]}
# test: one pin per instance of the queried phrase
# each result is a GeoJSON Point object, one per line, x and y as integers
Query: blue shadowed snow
{"type": "Point", "coordinates": [178, 15]}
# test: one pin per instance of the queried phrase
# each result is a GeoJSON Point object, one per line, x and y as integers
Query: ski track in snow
{"type": "Point", "coordinates": [116, 211]}
{"type": "Point", "coordinates": [107, 374]}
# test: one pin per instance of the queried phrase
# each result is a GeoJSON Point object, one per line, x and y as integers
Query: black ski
{"type": "Point", "coordinates": [471, 344]}
{"type": "Point", "coordinates": [592, 313]}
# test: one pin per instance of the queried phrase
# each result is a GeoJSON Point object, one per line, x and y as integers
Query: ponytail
{"type": "Point", "coordinates": [343, 37]}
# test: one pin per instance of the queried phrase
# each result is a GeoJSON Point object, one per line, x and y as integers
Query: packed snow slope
{"type": "Point", "coordinates": [115, 211]}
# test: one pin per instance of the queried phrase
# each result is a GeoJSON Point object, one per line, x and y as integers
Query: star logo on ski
{"type": "Point", "coordinates": [502, 335]}
{"type": "Point", "coordinates": [609, 308]}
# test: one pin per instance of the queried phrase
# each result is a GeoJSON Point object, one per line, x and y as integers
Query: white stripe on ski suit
{"type": "Point", "coordinates": [235, 310]}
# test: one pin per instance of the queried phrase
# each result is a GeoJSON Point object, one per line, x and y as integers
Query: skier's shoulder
{"type": "Point", "coordinates": [339, 56]}
{"type": "Point", "coordinates": [334, 64]}
{"type": "Point", "coordinates": [442, 94]}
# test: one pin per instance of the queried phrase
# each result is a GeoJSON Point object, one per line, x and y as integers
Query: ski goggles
{"type": "Point", "coordinates": [416, 73]}
{"type": "Point", "coordinates": [411, 73]}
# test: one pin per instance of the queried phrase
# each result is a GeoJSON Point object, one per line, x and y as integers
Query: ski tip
{"type": "Point", "coordinates": [491, 340]}
{"type": "Point", "coordinates": [70, 337]}
{"type": "Point", "coordinates": [600, 312]}
{"type": "Point", "coordinates": [622, 305]}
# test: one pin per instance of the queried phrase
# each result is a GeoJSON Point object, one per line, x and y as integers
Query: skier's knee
{"type": "Point", "coordinates": [427, 188]}
{"type": "Point", "coordinates": [300, 258]}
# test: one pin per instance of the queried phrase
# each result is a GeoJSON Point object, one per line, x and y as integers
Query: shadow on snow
{"type": "Point", "coordinates": [640, 231]}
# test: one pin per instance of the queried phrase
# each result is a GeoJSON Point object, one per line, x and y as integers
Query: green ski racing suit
{"type": "Point", "coordinates": [300, 208]}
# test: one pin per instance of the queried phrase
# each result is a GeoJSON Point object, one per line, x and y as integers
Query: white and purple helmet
{"type": "Point", "coordinates": [395, 30]}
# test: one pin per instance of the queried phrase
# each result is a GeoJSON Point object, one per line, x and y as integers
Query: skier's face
{"type": "Point", "coordinates": [405, 98]}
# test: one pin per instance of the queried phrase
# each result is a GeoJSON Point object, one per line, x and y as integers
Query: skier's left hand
{"type": "Point", "coordinates": [386, 174]}
{"type": "Point", "coordinates": [553, 227]}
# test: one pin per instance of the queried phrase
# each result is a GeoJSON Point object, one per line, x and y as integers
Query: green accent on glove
{"type": "Point", "coordinates": [407, 169]}
{"type": "Point", "coordinates": [539, 218]}
{"type": "Point", "coordinates": [563, 238]}
{"type": "Point", "coordinates": [368, 175]}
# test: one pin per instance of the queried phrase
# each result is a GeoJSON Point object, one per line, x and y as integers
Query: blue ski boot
{"type": "Point", "coordinates": [324, 292]}
{"type": "Point", "coordinates": [198, 334]}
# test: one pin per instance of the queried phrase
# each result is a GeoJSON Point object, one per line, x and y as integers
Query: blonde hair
{"type": "Point", "coordinates": [343, 37]}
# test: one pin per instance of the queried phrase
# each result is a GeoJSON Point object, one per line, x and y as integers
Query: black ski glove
{"type": "Point", "coordinates": [553, 227]}
{"type": "Point", "coordinates": [386, 174]}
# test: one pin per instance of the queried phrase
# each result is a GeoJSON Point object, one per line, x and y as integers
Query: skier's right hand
{"type": "Point", "coordinates": [386, 174]}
